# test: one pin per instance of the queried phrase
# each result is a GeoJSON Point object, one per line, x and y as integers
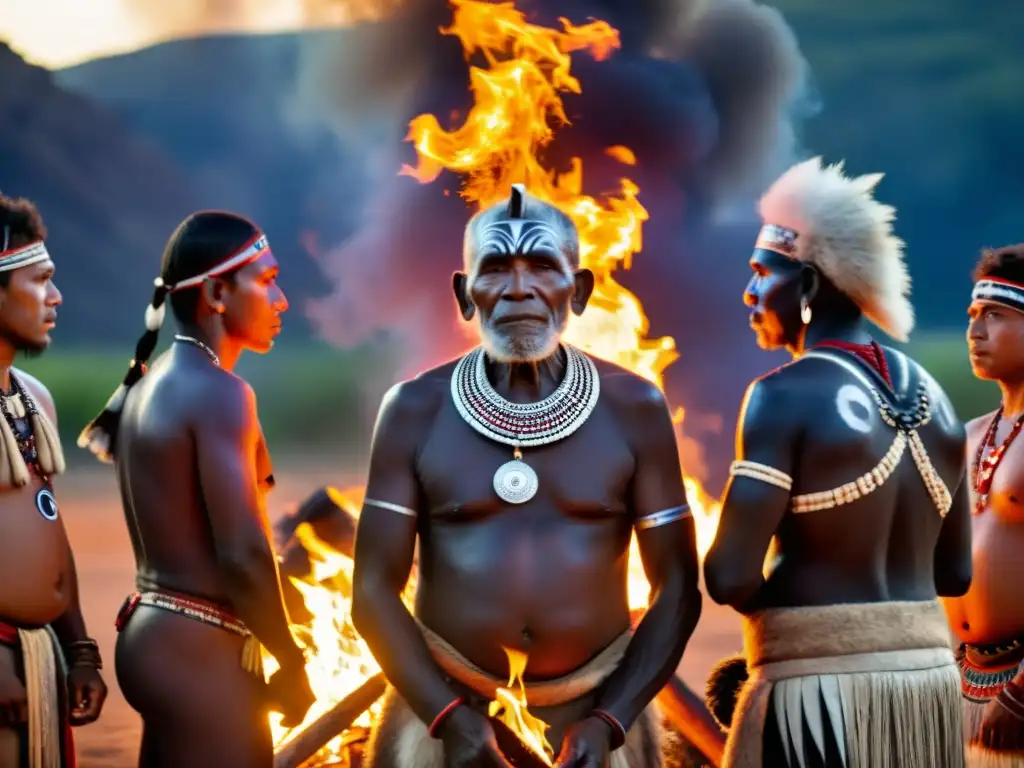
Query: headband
{"type": "Point", "coordinates": [781, 240]}
{"type": "Point", "coordinates": [23, 256]}
{"type": "Point", "coordinates": [251, 251]}
{"type": "Point", "coordinates": [997, 291]}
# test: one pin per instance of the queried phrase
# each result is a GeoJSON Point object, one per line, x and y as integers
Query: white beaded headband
{"type": "Point", "coordinates": [23, 256]}
{"type": "Point", "coordinates": [996, 291]}
{"type": "Point", "coordinates": [778, 239]}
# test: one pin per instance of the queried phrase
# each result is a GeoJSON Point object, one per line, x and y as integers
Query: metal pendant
{"type": "Point", "coordinates": [46, 504]}
{"type": "Point", "coordinates": [515, 482]}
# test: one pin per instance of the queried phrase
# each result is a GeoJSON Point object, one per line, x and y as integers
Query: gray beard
{"type": "Point", "coordinates": [522, 348]}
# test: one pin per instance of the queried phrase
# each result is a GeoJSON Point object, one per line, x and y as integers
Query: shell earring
{"type": "Point", "coordinates": [805, 312]}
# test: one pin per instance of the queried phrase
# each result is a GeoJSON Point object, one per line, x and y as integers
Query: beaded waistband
{"type": "Point", "coordinates": [190, 607]}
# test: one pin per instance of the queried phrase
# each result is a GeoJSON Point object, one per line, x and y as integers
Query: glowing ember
{"type": "Point", "coordinates": [509, 707]}
{"type": "Point", "coordinates": [516, 109]}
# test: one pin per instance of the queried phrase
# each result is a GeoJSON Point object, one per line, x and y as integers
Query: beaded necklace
{"type": "Point", "coordinates": [524, 424]}
{"type": "Point", "coordinates": [985, 466]}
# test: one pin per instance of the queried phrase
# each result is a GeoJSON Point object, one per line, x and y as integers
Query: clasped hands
{"type": "Point", "coordinates": [470, 742]}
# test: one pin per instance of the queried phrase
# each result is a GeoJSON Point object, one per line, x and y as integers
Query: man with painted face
{"type": "Point", "coordinates": [851, 458]}
{"type": "Point", "coordinates": [989, 619]}
{"type": "Point", "coordinates": [194, 471]}
{"type": "Point", "coordinates": [42, 632]}
{"type": "Point", "coordinates": [522, 470]}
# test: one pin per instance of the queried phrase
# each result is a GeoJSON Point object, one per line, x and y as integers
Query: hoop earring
{"type": "Point", "coordinates": [805, 312]}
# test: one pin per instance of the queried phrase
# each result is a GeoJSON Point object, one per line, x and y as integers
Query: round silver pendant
{"type": "Point", "coordinates": [515, 482]}
{"type": "Point", "coordinates": [46, 504]}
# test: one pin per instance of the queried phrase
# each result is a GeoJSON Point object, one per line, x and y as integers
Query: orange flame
{"type": "Point", "coordinates": [509, 707]}
{"type": "Point", "coordinates": [516, 110]}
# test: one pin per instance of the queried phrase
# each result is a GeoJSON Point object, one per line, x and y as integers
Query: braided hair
{"type": "Point", "coordinates": [205, 245]}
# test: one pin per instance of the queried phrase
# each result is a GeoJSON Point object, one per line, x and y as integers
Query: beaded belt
{"type": "Point", "coordinates": [189, 607]}
{"type": "Point", "coordinates": [983, 683]}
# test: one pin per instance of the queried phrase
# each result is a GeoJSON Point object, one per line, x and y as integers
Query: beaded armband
{"type": "Point", "coordinates": [757, 471]}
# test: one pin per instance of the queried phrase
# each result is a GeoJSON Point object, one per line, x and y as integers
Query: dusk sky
{"type": "Point", "coordinates": [59, 33]}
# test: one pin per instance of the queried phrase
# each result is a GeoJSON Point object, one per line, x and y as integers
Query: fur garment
{"type": "Point", "coordinates": [400, 738]}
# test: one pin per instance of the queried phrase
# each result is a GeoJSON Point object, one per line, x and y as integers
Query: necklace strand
{"type": "Point", "coordinates": [985, 467]}
{"type": "Point", "coordinates": [26, 439]}
{"type": "Point", "coordinates": [197, 343]}
{"type": "Point", "coordinates": [525, 424]}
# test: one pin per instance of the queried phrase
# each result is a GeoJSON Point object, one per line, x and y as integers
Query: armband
{"type": "Point", "coordinates": [663, 517]}
{"type": "Point", "coordinates": [391, 507]}
{"type": "Point", "coordinates": [762, 472]}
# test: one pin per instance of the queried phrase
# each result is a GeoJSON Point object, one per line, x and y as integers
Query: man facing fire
{"type": "Point", "coordinates": [522, 470]}
{"type": "Point", "coordinates": [851, 458]}
{"type": "Point", "coordinates": [989, 619]}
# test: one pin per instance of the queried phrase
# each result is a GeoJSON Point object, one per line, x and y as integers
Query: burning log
{"type": "Point", "coordinates": [686, 712]}
{"type": "Point", "coordinates": [335, 526]}
{"type": "Point", "coordinates": [334, 721]}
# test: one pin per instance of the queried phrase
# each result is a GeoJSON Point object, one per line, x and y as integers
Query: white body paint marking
{"type": "Point", "coordinates": [859, 420]}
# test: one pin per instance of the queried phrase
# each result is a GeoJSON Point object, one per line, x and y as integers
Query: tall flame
{"type": "Point", "coordinates": [509, 706]}
{"type": "Point", "coordinates": [517, 108]}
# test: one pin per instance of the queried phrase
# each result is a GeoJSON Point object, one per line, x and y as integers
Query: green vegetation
{"type": "Point", "coordinates": [310, 399]}
{"type": "Point", "coordinates": [321, 398]}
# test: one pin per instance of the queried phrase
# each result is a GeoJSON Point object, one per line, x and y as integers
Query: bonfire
{"type": "Point", "coordinates": [517, 111]}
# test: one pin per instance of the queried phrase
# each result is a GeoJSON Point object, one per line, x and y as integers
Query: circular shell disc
{"type": "Point", "coordinates": [515, 482]}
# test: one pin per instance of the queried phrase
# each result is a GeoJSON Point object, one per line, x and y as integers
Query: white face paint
{"type": "Point", "coordinates": [856, 408]}
{"type": "Point", "coordinates": [520, 237]}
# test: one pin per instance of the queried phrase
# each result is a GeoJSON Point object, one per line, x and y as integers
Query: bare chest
{"type": "Point", "coordinates": [588, 473]}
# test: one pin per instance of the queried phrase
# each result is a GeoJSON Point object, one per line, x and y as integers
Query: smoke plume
{"type": "Point", "coordinates": [704, 93]}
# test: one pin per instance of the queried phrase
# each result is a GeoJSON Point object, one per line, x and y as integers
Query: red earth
{"type": "Point", "coordinates": [92, 513]}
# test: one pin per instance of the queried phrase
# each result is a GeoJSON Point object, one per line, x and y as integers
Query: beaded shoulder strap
{"type": "Point", "coordinates": [906, 421]}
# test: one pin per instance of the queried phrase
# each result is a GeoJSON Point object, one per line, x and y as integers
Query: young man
{"type": "Point", "coordinates": [194, 471]}
{"type": "Point", "coordinates": [851, 459]}
{"type": "Point", "coordinates": [989, 619]}
{"type": "Point", "coordinates": [521, 470]}
{"type": "Point", "coordinates": [38, 584]}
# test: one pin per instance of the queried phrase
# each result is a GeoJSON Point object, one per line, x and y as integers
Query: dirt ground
{"type": "Point", "coordinates": [92, 513]}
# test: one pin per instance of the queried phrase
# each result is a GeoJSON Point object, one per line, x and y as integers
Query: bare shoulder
{"type": "Point", "coordinates": [778, 401]}
{"type": "Point", "coordinates": [940, 403]}
{"type": "Point", "coordinates": [38, 391]}
{"type": "Point", "coordinates": [976, 428]}
{"type": "Point", "coordinates": [218, 399]}
{"type": "Point", "coordinates": [417, 400]}
{"type": "Point", "coordinates": [630, 393]}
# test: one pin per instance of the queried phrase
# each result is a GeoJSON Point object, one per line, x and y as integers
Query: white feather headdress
{"type": "Point", "coordinates": [847, 234]}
